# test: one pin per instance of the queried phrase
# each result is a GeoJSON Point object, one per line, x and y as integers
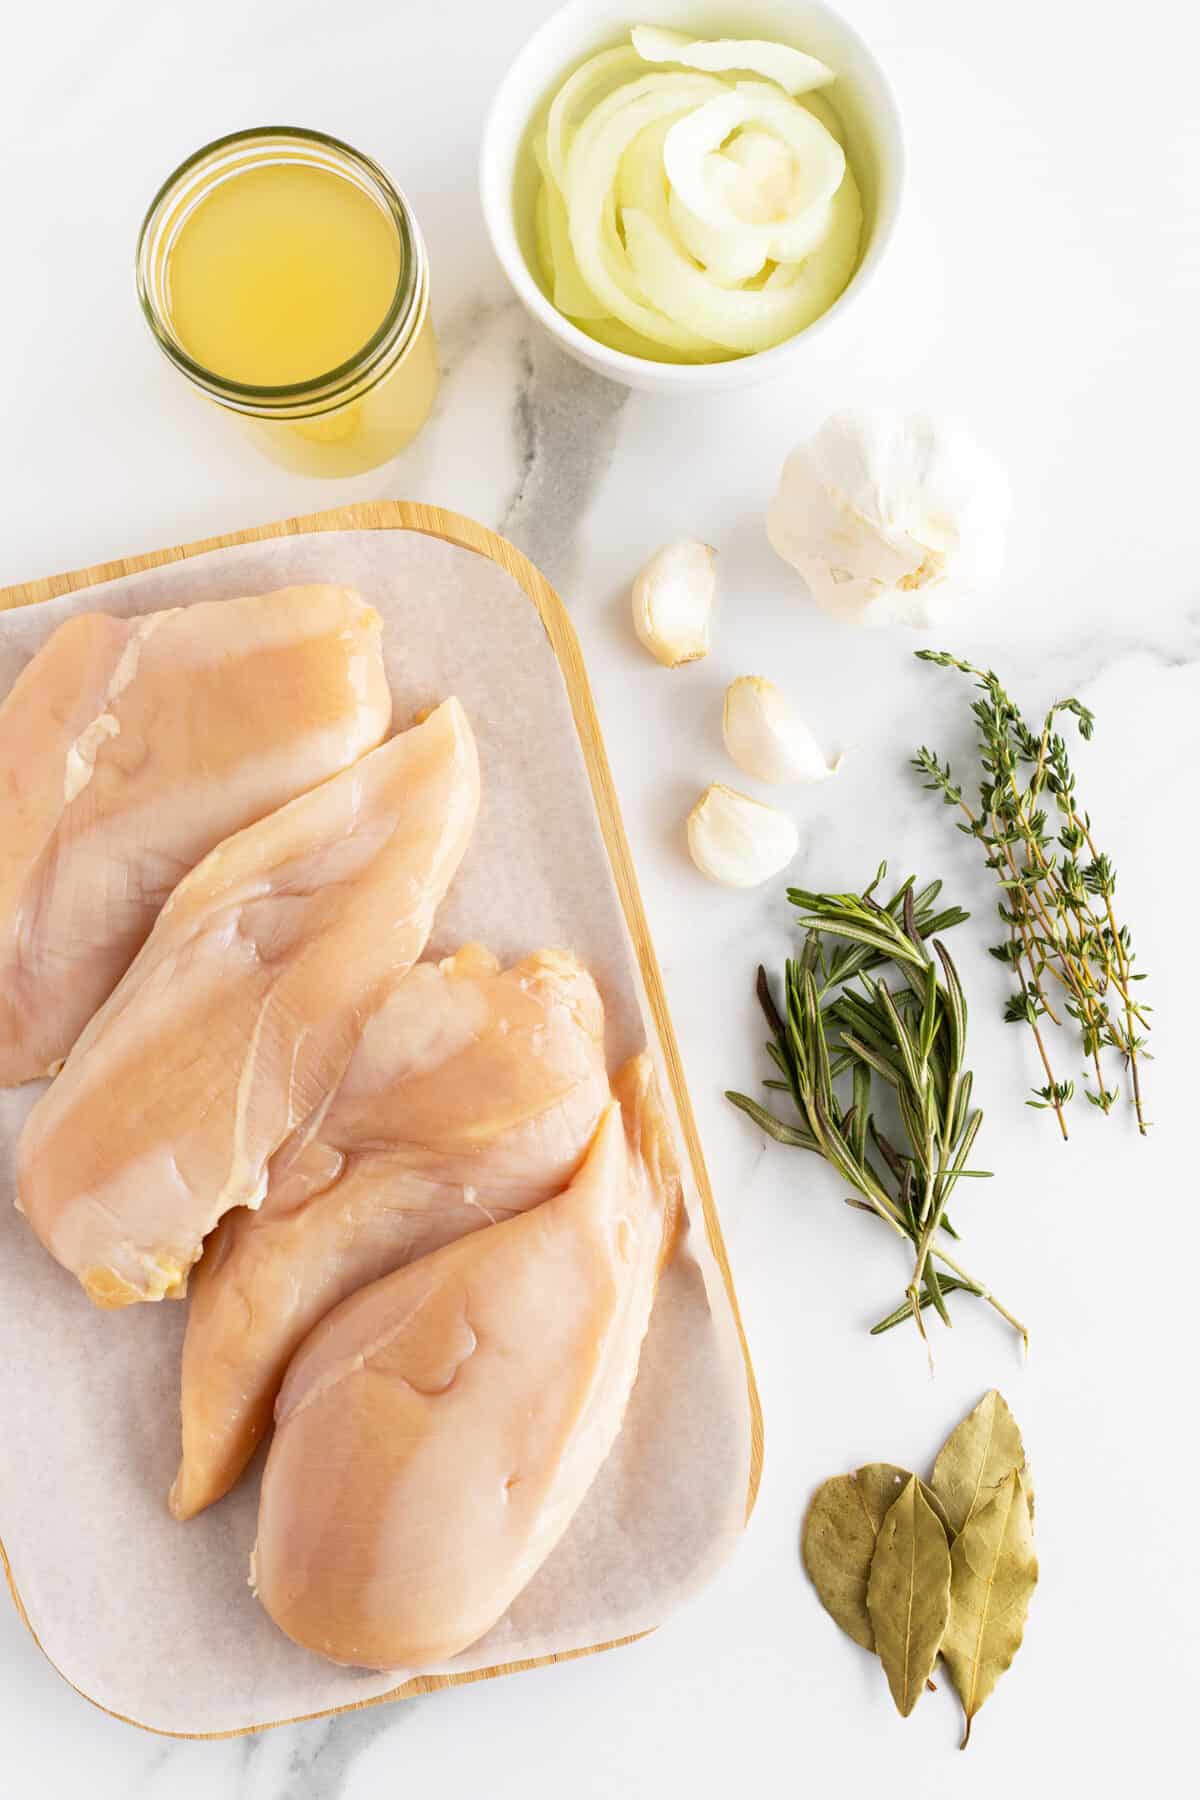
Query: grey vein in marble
{"type": "Point", "coordinates": [314, 1761]}
{"type": "Point", "coordinates": [531, 466]}
{"type": "Point", "coordinates": [566, 421]}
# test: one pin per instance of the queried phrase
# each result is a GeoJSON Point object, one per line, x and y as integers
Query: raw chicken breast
{"type": "Point", "coordinates": [128, 748]}
{"type": "Point", "coordinates": [241, 1012]}
{"type": "Point", "coordinates": [436, 1433]}
{"type": "Point", "coordinates": [472, 1094]}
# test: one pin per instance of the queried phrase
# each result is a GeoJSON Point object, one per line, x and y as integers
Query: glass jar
{"type": "Point", "coordinates": [355, 416]}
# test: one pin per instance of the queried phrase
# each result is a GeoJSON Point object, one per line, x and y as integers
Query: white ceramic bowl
{"type": "Point", "coordinates": [863, 97]}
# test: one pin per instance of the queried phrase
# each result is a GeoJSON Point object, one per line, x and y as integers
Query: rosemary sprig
{"type": "Point", "coordinates": [838, 1019]}
{"type": "Point", "coordinates": [1063, 935]}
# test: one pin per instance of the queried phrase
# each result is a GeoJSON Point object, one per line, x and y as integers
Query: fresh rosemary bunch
{"type": "Point", "coordinates": [1062, 927]}
{"type": "Point", "coordinates": [840, 1020]}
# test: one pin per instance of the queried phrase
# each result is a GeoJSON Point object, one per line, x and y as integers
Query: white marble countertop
{"type": "Point", "coordinates": [1046, 284]}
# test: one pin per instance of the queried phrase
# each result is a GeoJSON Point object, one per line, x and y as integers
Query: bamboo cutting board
{"type": "Point", "coordinates": [454, 528]}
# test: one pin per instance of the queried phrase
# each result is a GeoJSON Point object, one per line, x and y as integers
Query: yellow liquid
{"type": "Point", "coordinates": [281, 274]}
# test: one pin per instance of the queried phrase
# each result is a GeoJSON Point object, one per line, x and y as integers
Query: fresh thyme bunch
{"type": "Point", "coordinates": [911, 1035]}
{"type": "Point", "coordinates": [1063, 935]}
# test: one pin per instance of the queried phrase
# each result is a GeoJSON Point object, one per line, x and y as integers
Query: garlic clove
{"type": "Point", "coordinates": [767, 738]}
{"type": "Point", "coordinates": [739, 841]}
{"type": "Point", "coordinates": [673, 602]}
{"type": "Point", "coordinates": [891, 518]}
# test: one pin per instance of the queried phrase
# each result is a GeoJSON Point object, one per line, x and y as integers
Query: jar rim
{"type": "Point", "coordinates": [330, 386]}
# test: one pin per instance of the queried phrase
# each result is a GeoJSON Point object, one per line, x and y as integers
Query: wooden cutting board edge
{"type": "Point", "coordinates": [455, 528]}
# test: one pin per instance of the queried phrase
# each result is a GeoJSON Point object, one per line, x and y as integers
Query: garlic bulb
{"type": "Point", "coordinates": [767, 737]}
{"type": "Point", "coordinates": [673, 602]}
{"type": "Point", "coordinates": [891, 517]}
{"type": "Point", "coordinates": [739, 841]}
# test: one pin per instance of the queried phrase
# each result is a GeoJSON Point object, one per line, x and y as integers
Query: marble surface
{"type": "Point", "coordinates": [1045, 284]}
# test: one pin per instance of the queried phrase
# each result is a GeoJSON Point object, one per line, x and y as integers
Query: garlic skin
{"type": "Point", "coordinates": [673, 601]}
{"type": "Point", "coordinates": [891, 517]}
{"type": "Point", "coordinates": [739, 841]}
{"type": "Point", "coordinates": [767, 738]}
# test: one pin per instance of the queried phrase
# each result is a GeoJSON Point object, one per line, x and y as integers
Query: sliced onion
{"type": "Point", "coordinates": [642, 184]}
{"type": "Point", "coordinates": [820, 159]}
{"type": "Point", "coordinates": [730, 255]}
{"type": "Point", "coordinates": [689, 91]}
{"type": "Point", "coordinates": [759, 174]}
{"type": "Point", "coordinates": [689, 214]}
{"type": "Point", "coordinates": [732, 247]}
{"type": "Point", "coordinates": [753, 176]}
{"type": "Point", "coordinates": [695, 136]}
{"type": "Point", "coordinates": [541, 236]}
{"type": "Point", "coordinates": [619, 336]}
{"type": "Point", "coordinates": [568, 290]}
{"type": "Point", "coordinates": [783, 275]}
{"type": "Point", "coordinates": [641, 178]}
{"type": "Point", "coordinates": [592, 165]}
{"type": "Point", "coordinates": [795, 72]}
{"type": "Point", "coordinates": [591, 82]}
{"type": "Point", "coordinates": [572, 294]}
{"type": "Point", "coordinates": [741, 319]}
{"type": "Point", "coordinates": [820, 108]}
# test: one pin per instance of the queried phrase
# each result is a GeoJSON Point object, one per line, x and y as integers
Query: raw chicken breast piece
{"type": "Point", "coordinates": [128, 748]}
{"type": "Point", "coordinates": [241, 1012]}
{"type": "Point", "coordinates": [436, 1433]}
{"type": "Point", "coordinates": [472, 1095]}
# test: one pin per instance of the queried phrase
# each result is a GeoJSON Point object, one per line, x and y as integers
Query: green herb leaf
{"type": "Point", "coordinates": [836, 1022]}
{"type": "Point", "coordinates": [766, 1121]}
{"type": "Point", "coordinates": [1060, 914]}
{"type": "Point", "coordinates": [858, 934]}
{"type": "Point", "coordinates": [908, 1594]}
{"type": "Point", "coordinates": [948, 1284]}
{"type": "Point", "coordinates": [994, 1572]}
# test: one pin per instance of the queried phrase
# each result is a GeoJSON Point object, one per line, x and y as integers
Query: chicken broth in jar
{"type": "Point", "coordinates": [286, 277]}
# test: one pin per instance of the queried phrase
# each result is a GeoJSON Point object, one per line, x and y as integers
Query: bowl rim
{"type": "Point", "coordinates": [499, 219]}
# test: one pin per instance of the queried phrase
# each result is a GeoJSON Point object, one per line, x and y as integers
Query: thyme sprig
{"type": "Point", "coordinates": [838, 1019]}
{"type": "Point", "coordinates": [1063, 936]}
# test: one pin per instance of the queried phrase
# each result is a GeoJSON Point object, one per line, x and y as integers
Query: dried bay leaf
{"type": "Point", "coordinates": [881, 1485]}
{"type": "Point", "coordinates": [977, 1458]}
{"type": "Point", "coordinates": [994, 1572]}
{"type": "Point", "coordinates": [839, 1537]}
{"type": "Point", "coordinates": [908, 1593]}
{"type": "Point", "coordinates": [838, 1543]}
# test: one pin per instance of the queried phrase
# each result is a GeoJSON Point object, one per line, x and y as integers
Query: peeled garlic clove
{"type": "Point", "coordinates": [673, 602]}
{"type": "Point", "coordinates": [767, 737]}
{"type": "Point", "coordinates": [891, 518]}
{"type": "Point", "coordinates": [739, 841]}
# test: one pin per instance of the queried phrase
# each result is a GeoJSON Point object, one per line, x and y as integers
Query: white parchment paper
{"type": "Point", "coordinates": [154, 1619]}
